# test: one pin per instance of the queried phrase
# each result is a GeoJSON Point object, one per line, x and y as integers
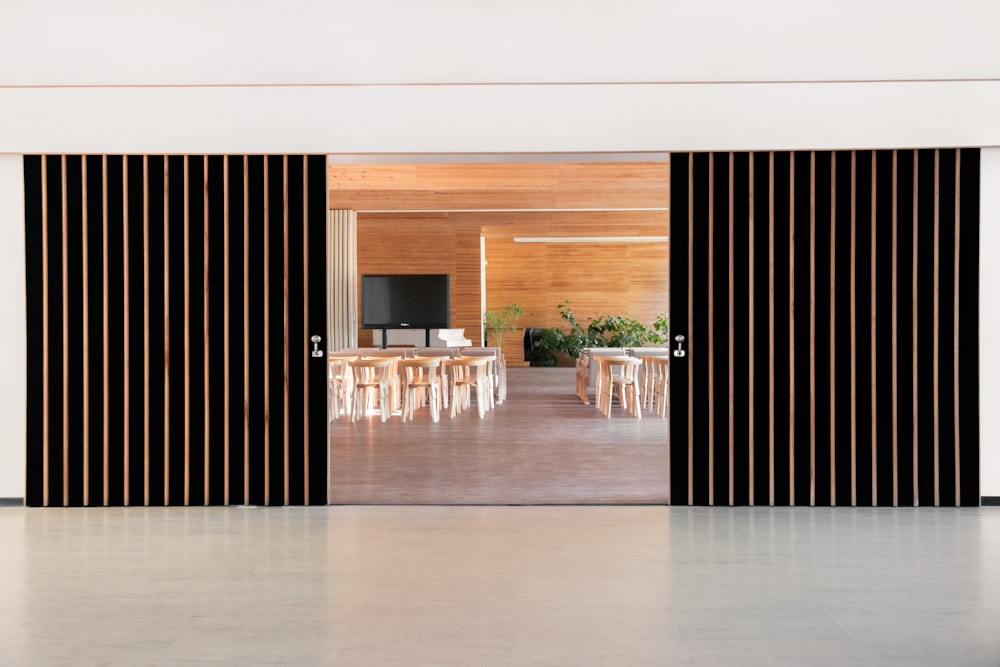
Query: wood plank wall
{"type": "Point", "coordinates": [830, 301]}
{"type": "Point", "coordinates": [430, 216]}
{"type": "Point", "coordinates": [168, 308]}
{"type": "Point", "coordinates": [603, 278]}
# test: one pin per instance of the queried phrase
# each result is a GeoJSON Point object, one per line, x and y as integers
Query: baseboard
{"type": "Point", "coordinates": [993, 501]}
{"type": "Point", "coordinates": [11, 502]}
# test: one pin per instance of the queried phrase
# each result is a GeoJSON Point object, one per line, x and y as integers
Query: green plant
{"type": "Point", "coordinates": [660, 335]}
{"type": "Point", "coordinates": [601, 331]}
{"type": "Point", "coordinates": [500, 322]}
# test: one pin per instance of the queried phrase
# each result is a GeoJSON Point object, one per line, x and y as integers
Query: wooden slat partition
{"type": "Point", "coordinates": [867, 206]}
{"type": "Point", "coordinates": [165, 436]}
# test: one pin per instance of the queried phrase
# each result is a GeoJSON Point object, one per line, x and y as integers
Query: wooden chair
{"type": "Point", "coordinates": [661, 380]}
{"type": "Point", "coordinates": [499, 369]}
{"type": "Point", "coordinates": [649, 357]}
{"type": "Point", "coordinates": [373, 379]}
{"type": "Point", "coordinates": [340, 385]}
{"type": "Point", "coordinates": [618, 376]}
{"type": "Point", "coordinates": [466, 374]}
{"type": "Point", "coordinates": [444, 353]}
{"type": "Point", "coordinates": [421, 382]}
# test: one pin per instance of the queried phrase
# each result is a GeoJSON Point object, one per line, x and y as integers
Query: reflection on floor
{"type": "Point", "coordinates": [500, 586]}
{"type": "Point", "coordinates": [542, 446]}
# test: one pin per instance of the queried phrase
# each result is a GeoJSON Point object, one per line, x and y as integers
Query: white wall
{"type": "Point", "coordinates": [522, 76]}
{"type": "Point", "coordinates": [12, 328]}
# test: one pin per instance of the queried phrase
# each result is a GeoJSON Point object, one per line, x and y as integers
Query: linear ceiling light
{"type": "Point", "coordinates": [591, 239]}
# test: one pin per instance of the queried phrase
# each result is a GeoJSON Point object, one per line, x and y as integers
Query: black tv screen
{"type": "Point", "coordinates": [397, 301]}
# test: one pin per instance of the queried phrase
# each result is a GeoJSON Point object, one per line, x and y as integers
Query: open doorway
{"type": "Point", "coordinates": [536, 231]}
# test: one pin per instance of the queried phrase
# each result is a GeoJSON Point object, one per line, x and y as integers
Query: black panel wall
{"type": "Point", "coordinates": [170, 303]}
{"type": "Point", "coordinates": [828, 302]}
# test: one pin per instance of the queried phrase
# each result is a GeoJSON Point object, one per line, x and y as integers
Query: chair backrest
{"type": "Point", "coordinates": [397, 352]}
{"type": "Point", "coordinates": [354, 351]}
{"type": "Point", "coordinates": [372, 370]}
{"type": "Point", "coordinates": [450, 352]}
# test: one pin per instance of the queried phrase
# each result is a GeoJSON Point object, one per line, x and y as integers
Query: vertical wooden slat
{"type": "Point", "coordinates": [206, 332]}
{"type": "Point", "coordinates": [750, 338]}
{"type": "Point", "coordinates": [166, 331]}
{"type": "Point", "coordinates": [187, 331]}
{"type": "Point", "coordinates": [770, 326]}
{"type": "Point", "coordinates": [126, 342]}
{"type": "Point", "coordinates": [914, 368]}
{"type": "Point", "coordinates": [246, 329]}
{"type": "Point", "coordinates": [936, 331]}
{"type": "Point", "coordinates": [105, 329]}
{"type": "Point", "coordinates": [873, 251]}
{"type": "Point", "coordinates": [46, 432]}
{"type": "Point", "coordinates": [267, 337]}
{"type": "Point", "coordinates": [145, 333]}
{"type": "Point", "coordinates": [711, 328]}
{"type": "Point", "coordinates": [854, 326]}
{"type": "Point", "coordinates": [833, 329]}
{"type": "Point", "coordinates": [85, 252]}
{"type": "Point", "coordinates": [225, 329]}
{"type": "Point", "coordinates": [690, 375]}
{"type": "Point", "coordinates": [732, 330]}
{"type": "Point", "coordinates": [812, 328]}
{"type": "Point", "coordinates": [955, 331]}
{"type": "Point", "coordinates": [305, 328]}
{"type": "Point", "coordinates": [65, 335]}
{"type": "Point", "coordinates": [284, 322]}
{"type": "Point", "coordinates": [791, 331]}
{"type": "Point", "coordinates": [895, 329]}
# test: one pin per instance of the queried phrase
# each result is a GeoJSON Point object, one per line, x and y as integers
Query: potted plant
{"type": "Point", "coordinates": [499, 322]}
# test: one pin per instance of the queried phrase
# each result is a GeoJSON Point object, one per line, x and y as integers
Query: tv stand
{"type": "Point", "coordinates": [385, 337]}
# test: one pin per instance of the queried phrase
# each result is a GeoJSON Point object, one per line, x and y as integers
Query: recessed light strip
{"type": "Point", "coordinates": [591, 239]}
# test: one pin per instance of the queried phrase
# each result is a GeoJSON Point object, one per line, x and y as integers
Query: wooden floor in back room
{"type": "Point", "coordinates": [541, 446]}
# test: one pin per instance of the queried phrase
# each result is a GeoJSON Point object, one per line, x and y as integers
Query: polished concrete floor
{"type": "Point", "coordinates": [480, 586]}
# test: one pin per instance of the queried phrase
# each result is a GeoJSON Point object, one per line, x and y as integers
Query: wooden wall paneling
{"type": "Point", "coordinates": [85, 278]}
{"type": "Point", "coordinates": [936, 330]}
{"type": "Point", "coordinates": [812, 328]}
{"type": "Point", "coordinates": [105, 330]}
{"type": "Point", "coordinates": [498, 186]}
{"type": "Point", "coordinates": [64, 296]}
{"type": "Point", "coordinates": [166, 332]}
{"type": "Point", "coordinates": [267, 334]}
{"type": "Point", "coordinates": [206, 332]}
{"type": "Point", "coordinates": [46, 405]}
{"type": "Point", "coordinates": [285, 343]}
{"type": "Point", "coordinates": [731, 183]}
{"type": "Point", "coordinates": [751, 342]}
{"type": "Point", "coordinates": [305, 328]}
{"type": "Point", "coordinates": [833, 337]}
{"type": "Point", "coordinates": [857, 198]}
{"type": "Point", "coordinates": [710, 343]}
{"type": "Point", "coordinates": [854, 329]}
{"type": "Point", "coordinates": [770, 326]}
{"type": "Point", "coordinates": [915, 337]}
{"type": "Point", "coordinates": [956, 283]}
{"type": "Point", "coordinates": [895, 328]}
{"type": "Point", "coordinates": [187, 330]}
{"type": "Point", "coordinates": [246, 328]}
{"type": "Point", "coordinates": [691, 349]}
{"type": "Point", "coordinates": [873, 315]}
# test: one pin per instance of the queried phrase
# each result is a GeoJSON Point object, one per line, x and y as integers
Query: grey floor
{"type": "Point", "coordinates": [573, 586]}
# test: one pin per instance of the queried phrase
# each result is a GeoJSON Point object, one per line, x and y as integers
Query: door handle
{"type": "Point", "coordinates": [316, 352]}
{"type": "Point", "coordinates": [679, 350]}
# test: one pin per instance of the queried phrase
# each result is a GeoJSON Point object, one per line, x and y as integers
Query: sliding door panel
{"type": "Point", "coordinates": [827, 303]}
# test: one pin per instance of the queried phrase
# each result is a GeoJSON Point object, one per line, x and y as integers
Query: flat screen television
{"type": "Point", "coordinates": [399, 301]}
